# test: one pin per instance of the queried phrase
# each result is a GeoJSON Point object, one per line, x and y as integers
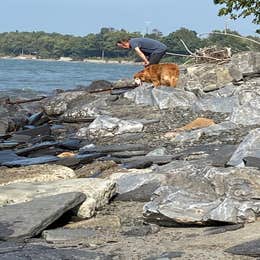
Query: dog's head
{"type": "Point", "coordinates": [140, 77]}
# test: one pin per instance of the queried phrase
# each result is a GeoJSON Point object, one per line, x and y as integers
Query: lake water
{"type": "Point", "coordinates": [27, 76]}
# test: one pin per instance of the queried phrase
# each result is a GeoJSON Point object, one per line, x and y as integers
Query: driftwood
{"type": "Point", "coordinates": [109, 90]}
{"type": "Point", "coordinates": [21, 101]}
{"type": "Point", "coordinates": [207, 54]}
{"type": "Point", "coordinates": [212, 54]}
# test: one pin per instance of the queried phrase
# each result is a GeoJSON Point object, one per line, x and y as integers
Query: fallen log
{"type": "Point", "coordinates": [109, 90]}
{"type": "Point", "coordinates": [21, 101]}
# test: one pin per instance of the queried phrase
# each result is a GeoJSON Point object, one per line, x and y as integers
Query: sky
{"type": "Point", "coordinates": [81, 17]}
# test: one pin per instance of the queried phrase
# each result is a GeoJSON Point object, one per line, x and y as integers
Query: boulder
{"type": "Point", "coordinates": [98, 192]}
{"type": "Point", "coordinates": [205, 77]}
{"type": "Point", "coordinates": [58, 104]}
{"type": "Point", "coordinates": [166, 97]}
{"type": "Point", "coordinates": [162, 97]}
{"type": "Point", "coordinates": [141, 95]}
{"type": "Point", "coordinates": [211, 195]}
{"type": "Point", "coordinates": [249, 147]}
{"type": "Point", "coordinates": [99, 85]}
{"type": "Point", "coordinates": [28, 219]}
{"type": "Point", "coordinates": [110, 126]}
{"type": "Point", "coordinates": [87, 108]}
{"type": "Point", "coordinates": [207, 133]}
{"type": "Point", "coordinates": [216, 104]}
{"type": "Point", "coordinates": [244, 64]}
{"type": "Point", "coordinates": [137, 185]}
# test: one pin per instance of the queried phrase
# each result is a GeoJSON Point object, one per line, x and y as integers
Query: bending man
{"type": "Point", "coordinates": [149, 50]}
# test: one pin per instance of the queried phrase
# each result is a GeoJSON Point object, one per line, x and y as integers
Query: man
{"type": "Point", "coordinates": [149, 50]}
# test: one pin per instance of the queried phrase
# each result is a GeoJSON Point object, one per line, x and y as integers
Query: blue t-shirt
{"type": "Point", "coordinates": [147, 46]}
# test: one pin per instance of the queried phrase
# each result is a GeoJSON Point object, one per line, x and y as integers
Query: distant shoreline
{"type": "Point", "coordinates": [67, 59]}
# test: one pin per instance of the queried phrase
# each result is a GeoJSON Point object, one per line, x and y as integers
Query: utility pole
{"type": "Point", "coordinates": [226, 25]}
{"type": "Point", "coordinates": [147, 24]}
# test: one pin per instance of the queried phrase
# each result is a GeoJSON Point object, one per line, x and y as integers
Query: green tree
{"type": "Point", "coordinates": [240, 8]}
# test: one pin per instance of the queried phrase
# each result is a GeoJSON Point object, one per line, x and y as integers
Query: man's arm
{"type": "Point", "coordinates": [142, 56]}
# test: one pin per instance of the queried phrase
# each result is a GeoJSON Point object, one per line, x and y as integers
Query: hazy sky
{"type": "Point", "coordinates": [81, 17]}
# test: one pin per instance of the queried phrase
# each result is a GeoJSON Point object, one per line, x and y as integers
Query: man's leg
{"type": "Point", "coordinates": [156, 57]}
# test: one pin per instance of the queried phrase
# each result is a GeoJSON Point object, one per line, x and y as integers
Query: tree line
{"type": "Point", "coordinates": [55, 45]}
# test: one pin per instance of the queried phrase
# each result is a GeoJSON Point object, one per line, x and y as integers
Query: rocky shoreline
{"type": "Point", "coordinates": [116, 171]}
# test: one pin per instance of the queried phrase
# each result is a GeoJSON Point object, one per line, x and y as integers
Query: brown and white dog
{"type": "Point", "coordinates": [159, 75]}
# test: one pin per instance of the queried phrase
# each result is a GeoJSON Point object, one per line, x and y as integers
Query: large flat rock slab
{"type": "Point", "coordinates": [19, 251]}
{"type": "Point", "coordinates": [65, 234]}
{"type": "Point", "coordinates": [251, 248]}
{"type": "Point", "coordinates": [97, 191]}
{"type": "Point", "coordinates": [31, 161]}
{"type": "Point", "coordinates": [35, 173]}
{"type": "Point", "coordinates": [28, 219]}
{"type": "Point", "coordinates": [9, 155]}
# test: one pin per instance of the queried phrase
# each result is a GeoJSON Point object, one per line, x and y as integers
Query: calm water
{"type": "Point", "coordinates": [25, 76]}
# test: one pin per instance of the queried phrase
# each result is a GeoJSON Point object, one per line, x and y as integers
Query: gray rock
{"type": "Point", "coordinates": [163, 97]}
{"type": "Point", "coordinates": [244, 64]}
{"type": "Point", "coordinates": [8, 145]}
{"type": "Point", "coordinates": [58, 104]}
{"type": "Point", "coordinates": [127, 154]}
{"type": "Point", "coordinates": [210, 132]}
{"type": "Point", "coordinates": [141, 95]}
{"type": "Point", "coordinates": [252, 161]}
{"type": "Point", "coordinates": [32, 148]}
{"type": "Point", "coordinates": [31, 161]}
{"type": "Point", "coordinates": [216, 104]}
{"type": "Point", "coordinates": [158, 152]}
{"type": "Point", "coordinates": [8, 155]}
{"type": "Point", "coordinates": [166, 97]}
{"type": "Point", "coordinates": [71, 144]}
{"type": "Point", "coordinates": [110, 126]}
{"type": "Point", "coordinates": [166, 256]}
{"type": "Point", "coordinates": [113, 148]}
{"type": "Point", "coordinates": [140, 230]}
{"type": "Point", "coordinates": [137, 186]}
{"type": "Point", "coordinates": [212, 154]}
{"type": "Point", "coordinates": [19, 251]}
{"type": "Point", "coordinates": [205, 77]}
{"type": "Point", "coordinates": [33, 119]}
{"type": "Point", "coordinates": [138, 164]}
{"type": "Point", "coordinates": [3, 126]}
{"type": "Point", "coordinates": [88, 108]}
{"type": "Point", "coordinates": [251, 248]}
{"type": "Point", "coordinates": [35, 173]}
{"type": "Point", "coordinates": [28, 219]}
{"type": "Point", "coordinates": [248, 114]}
{"type": "Point", "coordinates": [249, 147]}
{"type": "Point", "coordinates": [99, 85]}
{"type": "Point", "coordinates": [222, 229]}
{"type": "Point", "coordinates": [97, 191]}
{"type": "Point", "coordinates": [205, 196]}
{"type": "Point", "coordinates": [63, 234]}
{"type": "Point", "coordinates": [35, 132]}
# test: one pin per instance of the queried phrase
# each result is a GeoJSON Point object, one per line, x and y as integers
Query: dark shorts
{"type": "Point", "coordinates": [156, 57]}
